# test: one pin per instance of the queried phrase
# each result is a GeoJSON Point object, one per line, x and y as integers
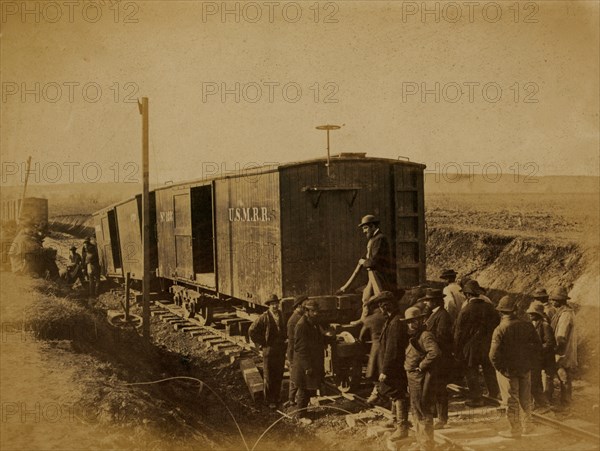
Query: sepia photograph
{"type": "Point", "coordinates": [349, 225]}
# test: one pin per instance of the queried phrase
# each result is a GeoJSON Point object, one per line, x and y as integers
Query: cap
{"type": "Point", "coordinates": [273, 299]}
{"type": "Point", "coordinates": [298, 300]}
{"type": "Point", "coordinates": [412, 313]}
{"type": "Point", "coordinates": [559, 294]}
{"type": "Point", "coordinates": [506, 305]}
{"type": "Point", "coordinates": [472, 287]}
{"type": "Point", "coordinates": [540, 293]}
{"type": "Point", "coordinates": [536, 307]}
{"type": "Point", "coordinates": [311, 304]}
{"type": "Point", "coordinates": [448, 273]}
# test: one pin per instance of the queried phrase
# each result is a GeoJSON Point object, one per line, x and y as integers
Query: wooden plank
{"type": "Point", "coordinates": [252, 377]}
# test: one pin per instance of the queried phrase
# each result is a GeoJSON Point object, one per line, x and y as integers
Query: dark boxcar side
{"type": "Point", "coordinates": [320, 215]}
{"type": "Point", "coordinates": [107, 241]}
{"type": "Point", "coordinates": [249, 236]}
{"type": "Point", "coordinates": [128, 215]}
{"type": "Point", "coordinates": [185, 241]}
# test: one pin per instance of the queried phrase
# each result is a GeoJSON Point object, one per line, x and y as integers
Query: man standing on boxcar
{"type": "Point", "coordinates": [309, 353]}
{"type": "Point", "coordinates": [377, 261]}
{"type": "Point", "coordinates": [472, 338]}
{"type": "Point", "coordinates": [453, 297]}
{"type": "Point", "coordinates": [291, 330]}
{"type": "Point", "coordinates": [515, 345]}
{"type": "Point", "coordinates": [371, 330]}
{"type": "Point", "coordinates": [269, 333]}
{"type": "Point", "coordinates": [565, 333]}
{"type": "Point", "coordinates": [440, 325]}
{"type": "Point", "coordinates": [392, 350]}
{"type": "Point", "coordinates": [89, 254]}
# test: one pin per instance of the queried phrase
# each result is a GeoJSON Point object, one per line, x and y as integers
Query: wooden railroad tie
{"type": "Point", "coordinates": [252, 377]}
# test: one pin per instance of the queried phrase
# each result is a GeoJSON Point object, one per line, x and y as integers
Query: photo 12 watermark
{"type": "Point", "coordinates": [270, 12]}
{"type": "Point", "coordinates": [69, 91]}
{"type": "Point", "coordinates": [469, 92]}
{"type": "Point", "coordinates": [269, 92]}
{"type": "Point", "coordinates": [53, 172]}
{"type": "Point", "coordinates": [490, 172]}
{"type": "Point", "coordinates": [72, 11]}
{"type": "Point", "coordinates": [470, 12]}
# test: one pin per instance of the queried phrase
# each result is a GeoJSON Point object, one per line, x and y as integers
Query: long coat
{"type": "Point", "coordinates": [392, 352]}
{"type": "Point", "coordinates": [422, 358]}
{"type": "Point", "coordinates": [546, 334]}
{"type": "Point", "coordinates": [291, 330]}
{"type": "Point", "coordinates": [309, 354]}
{"type": "Point", "coordinates": [473, 331]}
{"type": "Point", "coordinates": [440, 325]}
{"type": "Point", "coordinates": [565, 332]}
{"type": "Point", "coordinates": [515, 347]}
{"type": "Point", "coordinates": [372, 328]}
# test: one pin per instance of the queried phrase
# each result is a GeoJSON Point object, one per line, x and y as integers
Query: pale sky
{"type": "Point", "coordinates": [363, 64]}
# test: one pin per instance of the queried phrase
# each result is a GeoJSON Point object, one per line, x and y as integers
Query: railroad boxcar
{"type": "Point", "coordinates": [289, 230]}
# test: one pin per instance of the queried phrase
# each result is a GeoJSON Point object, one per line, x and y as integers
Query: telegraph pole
{"type": "Point", "coordinates": [18, 216]}
{"type": "Point", "coordinates": [143, 107]}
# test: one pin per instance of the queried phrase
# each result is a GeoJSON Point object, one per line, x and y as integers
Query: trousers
{"type": "Point", "coordinates": [516, 394]}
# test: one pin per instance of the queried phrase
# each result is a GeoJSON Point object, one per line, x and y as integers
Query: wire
{"type": "Point", "coordinates": [202, 384]}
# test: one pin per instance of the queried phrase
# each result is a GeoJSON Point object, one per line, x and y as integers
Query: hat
{"type": "Point", "coordinates": [87, 239]}
{"type": "Point", "coordinates": [383, 297]}
{"type": "Point", "coordinates": [472, 287]}
{"type": "Point", "coordinates": [298, 300]}
{"type": "Point", "coordinates": [432, 293]}
{"type": "Point", "coordinates": [73, 248]}
{"type": "Point", "coordinates": [311, 304]}
{"type": "Point", "coordinates": [273, 299]}
{"type": "Point", "coordinates": [412, 313]}
{"type": "Point", "coordinates": [559, 294]}
{"type": "Point", "coordinates": [536, 307]}
{"type": "Point", "coordinates": [448, 273]}
{"type": "Point", "coordinates": [506, 305]}
{"type": "Point", "coordinates": [540, 293]}
{"type": "Point", "coordinates": [368, 219]}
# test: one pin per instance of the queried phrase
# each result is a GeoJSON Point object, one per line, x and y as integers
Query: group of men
{"type": "Point", "coordinates": [84, 267]}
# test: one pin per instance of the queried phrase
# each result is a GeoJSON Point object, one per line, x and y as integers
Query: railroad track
{"type": "Point", "coordinates": [469, 429]}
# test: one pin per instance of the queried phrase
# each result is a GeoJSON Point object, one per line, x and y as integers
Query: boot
{"type": "Point", "coordinates": [392, 423]}
{"type": "Point", "coordinates": [401, 432]}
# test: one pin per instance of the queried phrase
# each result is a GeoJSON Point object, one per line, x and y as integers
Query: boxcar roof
{"type": "Point", "coordinates": [272, 168]}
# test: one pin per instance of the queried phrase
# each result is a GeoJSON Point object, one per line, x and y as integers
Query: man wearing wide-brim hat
{"type": "Point", "coordinates": [472, 336]}
{"type": "Point", "coordinates": [308, 368]}
{"type": "Point", "coordinates": [421, 365]}
{"type": "Point", "coordinates": [392, 381]}
{"type": "Point", "coordinates": [453, 297]}
{"type": "Point", "coordinates": [291, 330]}
{"type": "Point", "coordinates": [565, 332]}
{"type": "Point", "coordinates": [515, 346]}
{"type": "Point", "coordinates": [440, 324]}
{"type": "Point", "coordinates": [542, 387]}
{"type": "Point", "coordinates": [541, 295]}
{"type": "Point", "coordinates": [269, 333]}
{"type": "Point", "coordinates": [377, 261]}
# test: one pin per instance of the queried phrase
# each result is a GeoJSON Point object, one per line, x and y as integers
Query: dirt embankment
{"type": "Point", "coordinates": [77, 225]}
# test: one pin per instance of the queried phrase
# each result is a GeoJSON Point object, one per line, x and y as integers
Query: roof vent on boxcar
{"type": "Point", "coordinates": [351, 155]}
{"type": "Point", "coordinates": [328, 128]}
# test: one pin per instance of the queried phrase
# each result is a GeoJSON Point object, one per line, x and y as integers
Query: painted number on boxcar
{"type": "Point", "coordinates": [249, 214]}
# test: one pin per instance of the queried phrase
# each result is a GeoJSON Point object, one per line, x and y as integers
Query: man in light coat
{"type": "Point", "coordinates": [453, 296]}
{"type": "Point", "coordinates": [565, 333]}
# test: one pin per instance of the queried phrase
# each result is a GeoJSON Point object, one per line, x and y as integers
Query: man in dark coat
{"type": "Point", "coordinates": [308, 368]}
{"type": "Point", "coordinates": [269, 333]}
{"type": "Point", "coordinates": [440, 325]}
{"type": "Point", "coordinates": [515, 345]}
{"type": "Point", "coordinates": [544, 362]}
{"type": "Point", "coordinates": [472, 338]}
{"type": "Point", "coordinates": [392, 347]}
{"type": "Point", "coordinates": [422, 355]}
{"type": "Point", "coordinates": [378, 262]}
{"type": "Point", "coordinates": [291, 330]}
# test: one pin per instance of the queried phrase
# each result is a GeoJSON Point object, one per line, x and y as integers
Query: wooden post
{"type": "Point", "coordinates": [145, 219]}
{"type": "Point", "coordinates": [127, 282]}
{"type": "Point", "coordinates": [18, 216]}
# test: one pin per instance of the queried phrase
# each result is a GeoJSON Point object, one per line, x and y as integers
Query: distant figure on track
{"type": "Point", "coordinates": [269, 333]}
{"type": "Point", "coordinates": [377, 261]}
{"type": "Point", "coordinates": [291, 330]}
{"type": "Point", "coordinates": [515, 346]}
{"type": "Point", "coordinates": [89, 254]}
